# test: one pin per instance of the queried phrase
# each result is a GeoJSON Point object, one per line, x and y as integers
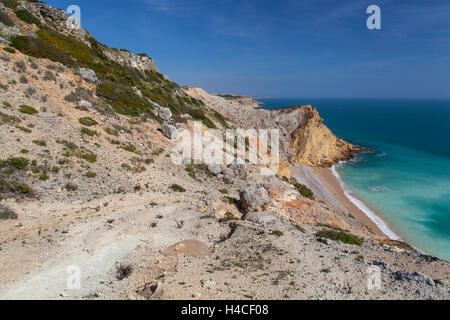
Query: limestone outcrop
{"type": "Point", "coordinates": [308, 141]}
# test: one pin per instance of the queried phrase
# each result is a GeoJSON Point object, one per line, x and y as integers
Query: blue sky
{"type": "Point", "coordinates": [278, 48]}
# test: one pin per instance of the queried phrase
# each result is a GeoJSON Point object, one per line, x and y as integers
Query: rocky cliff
{"type": "Point", "coordinates": [140, 62]}
{"type": "Point", "coordinates": [57, 19]}
{"type": "Point", "coordinates": [303, 136]}
{"type": "Point", "coordinates": [308, 141]}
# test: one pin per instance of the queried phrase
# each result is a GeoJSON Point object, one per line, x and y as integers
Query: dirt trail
{"type": "Point", "coordinates": [96, 247]}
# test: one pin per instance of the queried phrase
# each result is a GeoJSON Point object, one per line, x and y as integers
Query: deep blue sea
{"type": "Point", "coordinates": [407, 180]}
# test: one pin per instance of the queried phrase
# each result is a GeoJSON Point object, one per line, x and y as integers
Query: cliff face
{"type": "Point", "coordinates": [308, 141]}
{"type": "Point", "coordinates": [140, 62]}
{"type": "Point", "coordinates": [57, 19]}
{"type": "Point", "coordinates": [303, 136]}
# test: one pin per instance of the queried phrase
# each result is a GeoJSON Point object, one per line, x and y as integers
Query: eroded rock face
{"type": "Point", "coordinates": [303, 136]}
{"type": "Point", "coordinates": [139, 61]}
{"type": "Point", "coordinates": [253, 198]}
{"type": "Point", "coordinates": [308, 141]}
{"type": "Point", "coordinates": [56, 18]}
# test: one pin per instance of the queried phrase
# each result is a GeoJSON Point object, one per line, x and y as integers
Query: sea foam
{"type": "Point", "coordinates": [372, 215]}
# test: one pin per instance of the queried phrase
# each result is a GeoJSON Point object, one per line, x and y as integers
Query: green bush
{"type": "Point", "coordinates": [7, 105]}
{"type": "Point", "coordinates": [340, 236]}
{"type": "Point", "coordinates": [16, 163]}
{"type": "Point", "coordinates": [21, 188]}
{"type": "Point", "coordinates": [112, 132]}
{"type": "Point", "coordinates": [79, 94]}
{"type": "Point", "coordinates": [12, 4]}
{"type": "Point", "coordinates": [27, 110]}
{"type": "Point", "coordinates": [40, 143]}
{"type": "Point", "coordinates": [43, 177]}
{"type": "Point", "coordinates": [91, 174]}
{"type": "Point", "coordinates": [27, 17]}
{"type": "Point", "coordinates": [89, 132]}
{"type": "Point", "coordinates": [88, 156]}
{"type": "Point", "coordinates": [7, 214]}
{"type": "Point", "coordinates": [88, 122]}
{"type": "Point", "coordinates": [304, 190]}
{"type": "Point", "coordinates": [9, 49]}
{"type": "Point", "coordinates": [199, 115]}
{"type": "Point", "coordinates": [71, 187]}
{"type": "Point", "coordinates": [7, 119]}
{"type": "Point", "coordinates": [129, 148]}
{"type": "Point", "coordinates": [177, 188]}
{"type": "Point", "coordinates": [26, 130]}
{"type": "Point", "coordinates": [123, 100]}
{"type": "Point", "coordinates": [278, 234]}
{"type": "Point", "coordinates": [5, 19]}
{"type": "Point", "coordinates": [36, 47]}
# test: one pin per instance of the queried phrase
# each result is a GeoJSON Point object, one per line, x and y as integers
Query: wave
{"type": "Point", "coordinates": [362, 206]}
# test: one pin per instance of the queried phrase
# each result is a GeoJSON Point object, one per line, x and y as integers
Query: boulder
{"type": "Point", "coordinates": [414, 276]}
{"type": "Point", "coordinates": [214, 169]}
{"type": "Point", "coordinates": [381, 264]}
{"type": "Point", "coordinates": [253, 198]}
{"type": "Point", "coordinates": [169, 131]}
{"type": "Point", "coordinates": [228, 174]}
{"type": "Point", "coordinates": [188, 248]}
{"type": "Point", "coordinates": [239, 169]}
{"type": "Point", "coordinates": [9, 31]}
{"type": "Point", "coordinates": [223, 210]}
{"type": "Point", "coordinates": [2, 40]}
{"type": "Point", "coordinates": [428, 280]}
{"type": "Point", "coordinates": [263, 218]}
{"type": "Point", "coordinates": [207, 284]}
{"type": "Point", "coordinates": [165, 114]}
{"type": "Point", "coordinates": [85, 104]}
{"type": "Point", "coordinates": [88, 75]}
{"type": "Point", "coordinates": [138, 92]}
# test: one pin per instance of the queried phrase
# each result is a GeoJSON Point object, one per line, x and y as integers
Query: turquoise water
{"type": "Point", "coordinates": [407, 179]}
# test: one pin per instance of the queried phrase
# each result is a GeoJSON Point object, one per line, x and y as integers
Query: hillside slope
{"type": "Point", "coordinates": [87, 181]}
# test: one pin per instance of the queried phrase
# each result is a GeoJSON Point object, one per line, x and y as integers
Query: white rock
{"type": "Point", "coordinates": [165, 114]}
{"type": "Point", "coordinates": [85, 104]}
{"type": "Point", "coordinates": [169, 131]}
{"type": "Point", "coordinates": [88, 75]}
{"type": "Point", "coordinates": [263, 218]}
{"type": "Point", "coordinates": [253, 198]}
{"type": "Point", "coordinates": [207, 283]}
{"type": "Point", "coordinates": [214, 169]}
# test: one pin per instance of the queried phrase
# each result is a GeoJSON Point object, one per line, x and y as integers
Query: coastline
{"type": "Point", "coordinates": [357, 207]}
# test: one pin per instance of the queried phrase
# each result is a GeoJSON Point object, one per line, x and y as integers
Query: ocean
{"type": "Point", "coordinates": [406, 181]}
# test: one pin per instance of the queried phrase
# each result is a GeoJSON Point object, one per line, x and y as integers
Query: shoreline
{"type": "Point", "coordinates": [357, 207]}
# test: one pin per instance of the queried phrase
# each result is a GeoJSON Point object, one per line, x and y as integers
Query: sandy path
{"type": "Point", "coordinates": [96, 248]}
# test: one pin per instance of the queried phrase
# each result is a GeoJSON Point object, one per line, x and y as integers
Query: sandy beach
{"type": "Point", "coordinates": [327, 188]}
{"type": "Point", "coordinates": [328, 178]}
